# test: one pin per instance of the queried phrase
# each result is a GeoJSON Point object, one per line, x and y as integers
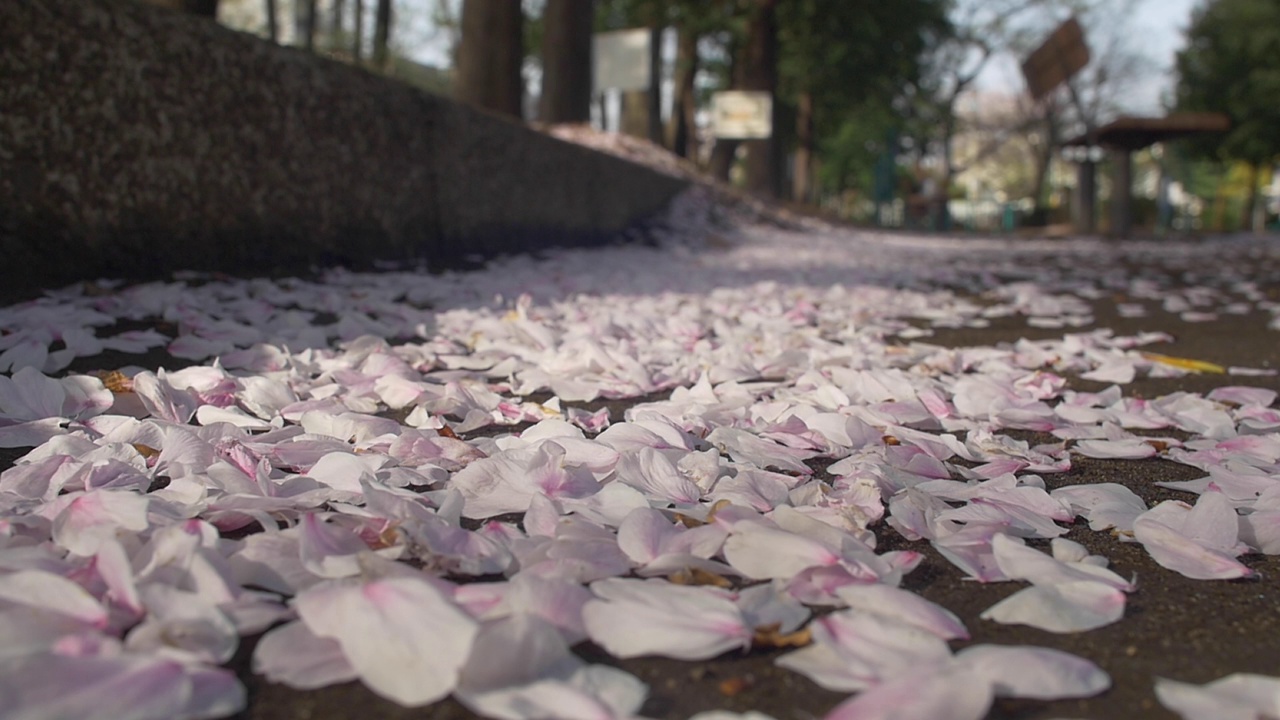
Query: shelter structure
{"type": "Point", "coordinates": [1126, 135]}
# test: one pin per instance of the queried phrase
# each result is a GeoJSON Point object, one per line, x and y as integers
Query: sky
{"type": "Point", "coordinates": [1161, 24]}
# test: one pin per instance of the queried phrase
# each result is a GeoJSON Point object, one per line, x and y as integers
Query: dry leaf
{"type": "Point", "coordinates": [697, 576]}
{"type": "Point", "coordinates": [768, 636]}
{"type": "Point", "coordinates": [691, 522]}
{"type": "Point", "coordinates": [735, 685]}
{"type": "Point", "coordinates": [116, 381]}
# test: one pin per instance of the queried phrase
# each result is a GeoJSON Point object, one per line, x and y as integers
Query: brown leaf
{"type": "Point", "coordinates": [116, 381]}
{"type": "Point", "coordinates": [448, 432]}
{"type": "Point", "coordinates": [698, 576]}
{"type": "Point", "coordinates": [735, 685]}
{"type": "Point", "coordinates": [691, 522]}
{"type": "Point", "coordinates": [768, 636]}
{"type": "Point", "coordinates": [389, 537]}
{"type": "Point", "coordinates": [146, 451]}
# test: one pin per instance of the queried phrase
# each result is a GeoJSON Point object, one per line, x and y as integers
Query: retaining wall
{"type": "Point", "coordinates": [135, 141]}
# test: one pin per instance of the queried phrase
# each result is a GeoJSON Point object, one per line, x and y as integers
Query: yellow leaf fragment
{"type": "Point", "coordinates": [1185, 363]}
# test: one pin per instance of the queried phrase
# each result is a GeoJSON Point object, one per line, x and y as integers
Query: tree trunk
{"type": "Point", "coordinates": [1247, 220]}
{"type": "Point", "coordinates": [566, 61]}
{"type": "Point", "coordinates": [490, 54]}
{"type": "Point", "coordinates": [357, 33]}
{"type": "Point", "coordinates": [683, 124]}
{"type": "Point", "coordinates": [802, 178]}
{"type": "Point", "coordinates": [760, 73]}
{"type": "Point", "coordinates": [940, 204]}
{"type": "Point", "coordinates": [273, 21]}
{"type": "Point", "coordinates": [725, 150]}
{"type": "Point", "coordinates": [635, 113]}
{"type": "Point", "coordinates": [203, 8]}
{"type": "Point", "coordinates": [309, 25]}
{"type": "Point", "coordinates": [1043, 160]}
{"type": "Point", "coordinates": [1218, 217]}
{"type": "Point", "coordinates": [642, 109]}
{"type": "Point", "coordinates": [336, 23]}
{"type": "Point", "coordinates": [723, 154]}
{"type": "Point", "coordinates": [656, 135]}
{"type": "Point", "coordinates": [382, 36]}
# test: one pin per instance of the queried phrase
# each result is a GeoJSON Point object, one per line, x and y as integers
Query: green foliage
{"type": "Point", "coordinates": [1232, 65]}
{"type": "Point", "coordinates": [855, 58]}
{"type": "Point", "coordinates": [852, 150]}
{"type": "Point", "coordinates": [855, 50]}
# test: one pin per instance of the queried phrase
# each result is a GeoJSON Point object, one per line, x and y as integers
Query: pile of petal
{"type": "Point", "coordinates": [319, 478]}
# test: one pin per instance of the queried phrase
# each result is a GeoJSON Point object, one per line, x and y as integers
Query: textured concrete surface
{"type": "Point", "coordinates": [135, 141]}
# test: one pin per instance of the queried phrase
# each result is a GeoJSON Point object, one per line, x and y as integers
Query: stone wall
{"type": "Point", "coordinates": [135, 141]}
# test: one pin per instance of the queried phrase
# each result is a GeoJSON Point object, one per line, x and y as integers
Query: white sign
{"type": "Point", "coordinates": [622, 59]}
{"type": "Point", "coordinates": [741, 115]}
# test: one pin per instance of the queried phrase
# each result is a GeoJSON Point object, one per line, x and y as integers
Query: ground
{"type": "Point", "coordinates": [1173, 627]}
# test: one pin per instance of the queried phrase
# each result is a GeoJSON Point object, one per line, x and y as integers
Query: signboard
{"type": "Point", "coordinates": [1062, 55]}
{"type": "Point", "coordinates": [741, 115]}
{"type": "Point", "coordinates": [622, 59]}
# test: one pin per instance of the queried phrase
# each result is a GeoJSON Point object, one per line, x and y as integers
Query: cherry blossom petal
{"type": "Point", "coordinates": [938, 693]}
{"type": "Point", "coordinates": [1240, 696]}
{"type": "Point", "coordinates": [632, 618]}
{"type": "Point", "coordinates": [293, 655]}
{"type": "Point", "coordinates": [404, 639]}
{"type": "Point", "coordinates": [128, 687]}
{"type": "Point", "coordinates": [1064, 607]}
{"type": "Point", "coordinates": [1034, 672]}
{"type": "Point", "coordinates": [903, 606]}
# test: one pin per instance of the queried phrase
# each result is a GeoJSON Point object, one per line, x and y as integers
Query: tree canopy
{"type": "Point", "coordinates": [1231, 64]}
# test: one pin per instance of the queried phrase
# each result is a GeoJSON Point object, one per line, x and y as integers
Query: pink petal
{"type": "Point", "coordinates": [53, 593]}
{"type": "Point", "coordinates": [1034, 672]}
{"type": "Point", "coordinates": [767, 553]}
{"type": "Point", "coordinates": [327, 549]}
{"type": "Point", "coordinates": [292, 655]}
{"type": "Point", "coordinates": [1240, 696]}
{"type": "Point", "coordinates": [935, 693]}
{"type": "Point", "coordinates": [903, 606]}
{"type": "Point", "coordinates": [653, 617]}
{"type": "Point", "coordinates": [1019, 562]}
{"type": "Point", "coordinates": [126, 687]}
{"type": "Point", "coordinates": [30, 395]}
{"type": "Point", "coordinates": [404, 639]}
{"type": "Point", "coordinates": [1061, 608]}
{"type": "Point", "coordinates": [92, 517]}
{"type": "Point", "coordinates": [1178, 553]}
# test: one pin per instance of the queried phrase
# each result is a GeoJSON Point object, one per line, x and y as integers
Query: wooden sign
{"type": "Point", "coordinates": [1061, 56]}
{"type": "Point", "coordinates": [741, 114]}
